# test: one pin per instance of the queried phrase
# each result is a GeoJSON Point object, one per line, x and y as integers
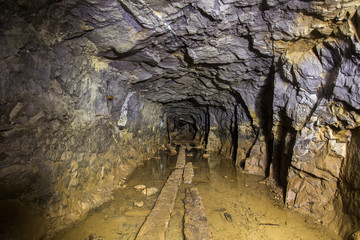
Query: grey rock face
{"type": "Point", "coordinates": [86, 89]}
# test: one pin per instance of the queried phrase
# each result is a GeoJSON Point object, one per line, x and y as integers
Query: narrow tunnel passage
{"type": "Point", "coordinates": [263, 91]}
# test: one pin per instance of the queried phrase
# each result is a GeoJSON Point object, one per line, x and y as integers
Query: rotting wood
{"type": "Point", "coordinates": [195, 224]}
{"type": "Point", "coordinates": [180, 163]}
{"type": "Point", "coordinates": [171, 149]}
{"type": "Point", "coordinates": [188, 173]}
{"type": "Point", "coordinates": [157, 221]}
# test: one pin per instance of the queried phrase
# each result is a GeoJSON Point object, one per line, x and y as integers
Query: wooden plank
{"type": "Point", "coordinates": [188, 173]}
{"type": "Point", "coordinates": [157, 221]}
{"type": "Point", "coordinates": [180, 163]}
{"type": "Point", "coordinates": [171, 149]}
{"type": "Point", "coordinates": [195, 224]}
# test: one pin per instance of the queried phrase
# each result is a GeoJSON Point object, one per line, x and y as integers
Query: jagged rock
{"type": "Point", "coordinates": [256, 163]}
{"type": "Point", "coordinates": [227, 49]}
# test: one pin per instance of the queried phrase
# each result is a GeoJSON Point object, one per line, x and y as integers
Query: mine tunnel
{"type": "Point", "coordinates": [179, 119]}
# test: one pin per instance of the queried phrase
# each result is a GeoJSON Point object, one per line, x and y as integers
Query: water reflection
{"type": "Point", "coordinates": [237, 206]}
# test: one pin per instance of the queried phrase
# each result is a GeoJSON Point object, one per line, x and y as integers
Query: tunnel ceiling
{"type": "Point", "coordinates": [178, 53]}
{"type": "Point", "coordinates": [188, 62]}
{"type": "Point", "coordinates": [189, 54]}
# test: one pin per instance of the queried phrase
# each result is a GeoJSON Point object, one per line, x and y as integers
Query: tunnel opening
{"type": "Point", "coordinates": [260, 97]}
{"type": "Point", "coordinates": [181, 130]}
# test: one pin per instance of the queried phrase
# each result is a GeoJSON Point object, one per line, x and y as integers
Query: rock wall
{"type": "Point", "coordinates": [349, 185]}
{"type": "Point", "coordinates": [87, 88]}
{"type": "Point", "coordinates": [313, 117]}
{"type": "Point", "coordinates": [71, 129]}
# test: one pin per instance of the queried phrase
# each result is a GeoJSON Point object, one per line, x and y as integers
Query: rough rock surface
{"type": "Point", "coordinates": [61, 148]}
{"type": "Point", "coordinates": [87, 89]}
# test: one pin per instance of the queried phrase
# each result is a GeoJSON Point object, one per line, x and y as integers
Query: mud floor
{"type": "Point", "coordinates": [237, 206]}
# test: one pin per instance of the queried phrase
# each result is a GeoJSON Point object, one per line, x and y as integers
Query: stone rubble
{"type": "Point", "coordinates": [150, 191]}
{"type": "Point", "coordinates": [139, 204]}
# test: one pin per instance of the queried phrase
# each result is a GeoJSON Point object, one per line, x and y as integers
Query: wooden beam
{"type": "Point", "coordinates": [195, 224]}
{"type": "Point", "coordinates": [157, 221]}
{"type": "Point", "coordinates": [188, 173]}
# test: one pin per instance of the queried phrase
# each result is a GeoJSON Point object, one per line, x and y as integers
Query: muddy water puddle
{"type": "Point", "coordinates": [237, 206]}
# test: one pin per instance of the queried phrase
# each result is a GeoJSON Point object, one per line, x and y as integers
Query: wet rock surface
{"type": "Point", "coordinates": [139, 204]}
{"type": "Point", "coordinates": [150, 191]}
{"type": "Point", "coordinates": [89, 89]}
